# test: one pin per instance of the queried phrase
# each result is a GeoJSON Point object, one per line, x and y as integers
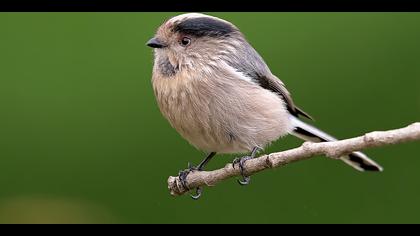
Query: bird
{"type": "Point", "coordinates": [219, 94]}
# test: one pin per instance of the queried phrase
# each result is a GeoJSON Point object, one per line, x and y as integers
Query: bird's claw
{"type": "Point", "coordinates": [198, 192]}
{"type": "Point", "coordinates": [183, 179]}
{"type": "Point", "coordinates": [241, 162]}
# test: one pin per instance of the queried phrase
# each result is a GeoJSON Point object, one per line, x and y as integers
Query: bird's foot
{"type": "Point", "coordinates": [183, 179]}
{"type": "Point", "coordinates": [241, 162]}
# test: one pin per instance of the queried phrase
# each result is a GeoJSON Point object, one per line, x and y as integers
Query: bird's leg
{"type": "Point", "coordinates": [183, 174]}
{"type": "Point", "coordinates": [241, 161]}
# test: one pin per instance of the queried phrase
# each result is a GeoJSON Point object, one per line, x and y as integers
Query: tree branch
{"type": "Point", "coordinates": [333, 150]}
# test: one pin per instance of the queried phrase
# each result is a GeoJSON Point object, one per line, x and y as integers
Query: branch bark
{"type": "Point", "coordinates": [308, 150]}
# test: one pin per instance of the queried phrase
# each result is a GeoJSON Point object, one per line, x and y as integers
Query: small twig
{"type": "Point", "coordinates": [307, 150]}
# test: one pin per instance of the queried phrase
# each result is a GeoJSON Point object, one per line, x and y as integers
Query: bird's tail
{"type": "Point", "coordinates": [357, 160]}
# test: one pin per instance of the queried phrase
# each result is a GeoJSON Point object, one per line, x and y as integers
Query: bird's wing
{"type": "Point", "coordinates": [272, 83]}
{"type": "Point", "coordinates": [247, 61]}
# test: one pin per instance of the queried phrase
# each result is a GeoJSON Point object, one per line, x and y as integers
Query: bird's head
{"type": "Point", "coordinates": [192, 40]}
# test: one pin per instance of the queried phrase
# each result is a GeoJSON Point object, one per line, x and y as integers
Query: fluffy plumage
{"type": "Point", "coordinates": [218, 92]}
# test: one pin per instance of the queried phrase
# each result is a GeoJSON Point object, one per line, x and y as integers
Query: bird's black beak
{"type": "Point", "coordinates": [155, 43]}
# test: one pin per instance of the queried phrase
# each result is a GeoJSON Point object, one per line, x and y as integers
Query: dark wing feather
{"type": "Point", "coordinates": [303, 113]}
{"type": "Point", "coordinates": [249, 62]}
{"type": "Point", "coordinates": [272, 83]}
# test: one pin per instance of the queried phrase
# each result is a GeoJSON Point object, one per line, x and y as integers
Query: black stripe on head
{"type": "Point", "coordinates": [204, 26]}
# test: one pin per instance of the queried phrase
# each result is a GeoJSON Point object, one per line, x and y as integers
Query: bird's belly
{"type": "Point", "coordinates": [200, 127]}
{"type": "Point", "coordinates": [225, 121]}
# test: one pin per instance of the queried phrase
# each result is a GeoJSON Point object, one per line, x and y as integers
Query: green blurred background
{"type": "Point", "coordinates": [82, 139]}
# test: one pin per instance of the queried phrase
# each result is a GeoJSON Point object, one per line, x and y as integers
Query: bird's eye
{"type": "Point", "coordinates": [185, 41]}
